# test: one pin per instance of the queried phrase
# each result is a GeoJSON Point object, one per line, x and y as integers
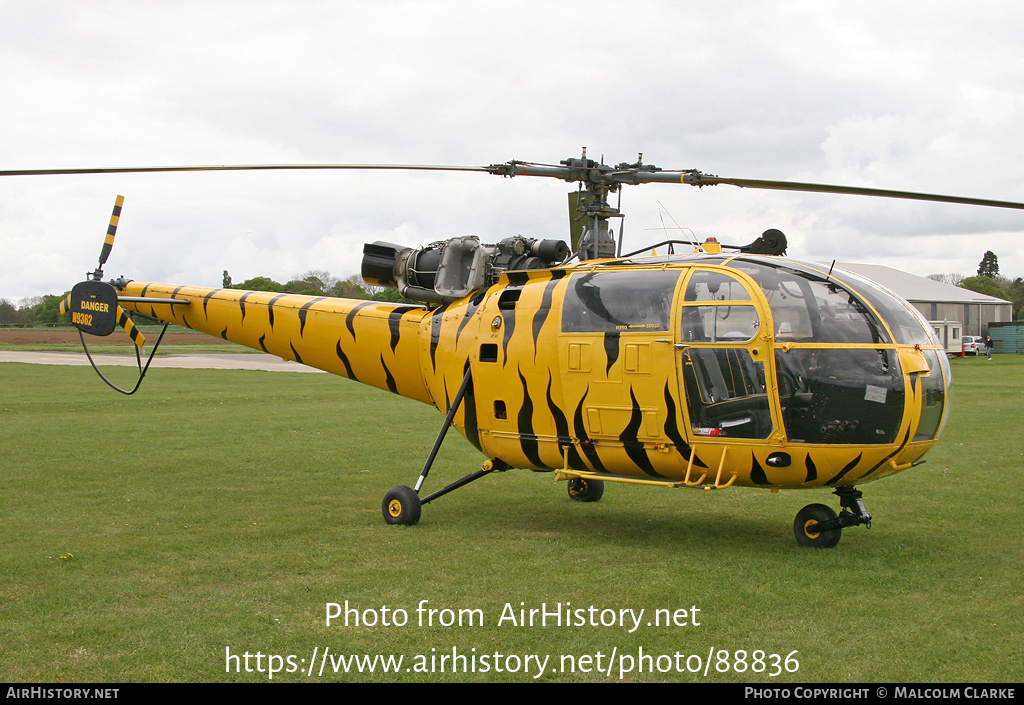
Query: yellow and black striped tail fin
{"type": "Point", "coordinates": [65, 304]}
{"type": "Point", "coordinates": [125, 321]}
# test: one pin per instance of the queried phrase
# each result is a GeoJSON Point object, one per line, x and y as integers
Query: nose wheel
{"type": "Point", "coordinates": [818, 526]}
{"type": "Point", "coordinates": [808, 527]}
{"type": "Point", "coordinates": [585, 489]}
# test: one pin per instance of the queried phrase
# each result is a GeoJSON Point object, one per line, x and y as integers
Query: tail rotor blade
{"type": "Point", "coordinates": [125, 321]}
{"type": "Point", "coordinates": [108, 242]}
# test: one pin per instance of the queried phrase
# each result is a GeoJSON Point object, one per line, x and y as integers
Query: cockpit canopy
{"type": "Point", "coordinates": [833, 337]}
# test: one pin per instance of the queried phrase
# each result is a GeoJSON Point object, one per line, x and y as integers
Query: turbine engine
{"type": "Point", "coordinates": [448, 270]}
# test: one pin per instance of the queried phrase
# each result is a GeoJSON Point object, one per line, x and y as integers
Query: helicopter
{"type": "Point", "coordinates": [726, 366]}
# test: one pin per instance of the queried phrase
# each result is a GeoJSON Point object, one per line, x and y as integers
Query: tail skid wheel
{"type": "Point", "coordinates": [806, 531]}
{"type": "Point", "coordinates": [401, 505]}
{"type": "Point", "coordinates": [585, 490]}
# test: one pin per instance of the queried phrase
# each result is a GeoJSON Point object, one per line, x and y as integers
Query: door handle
{"type": "Point", "coordinates": [677, 346]}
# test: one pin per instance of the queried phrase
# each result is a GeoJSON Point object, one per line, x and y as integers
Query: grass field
{"type": "Point", "coordinates": [217, 513]}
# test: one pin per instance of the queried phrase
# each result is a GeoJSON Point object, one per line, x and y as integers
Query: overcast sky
{"type": "Point", "coordinates": [922, 96]}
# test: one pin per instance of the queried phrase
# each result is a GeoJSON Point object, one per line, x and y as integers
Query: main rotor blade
{"type": "Point", "coordinates": [591, 173]}
{"type": "Point", "coordinates": [699, 179]}
{"type": "Point", "coordinates": [233, 167]}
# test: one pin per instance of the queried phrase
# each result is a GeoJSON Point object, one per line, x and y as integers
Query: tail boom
{"type": "Point", "coordinates": [372, 342]}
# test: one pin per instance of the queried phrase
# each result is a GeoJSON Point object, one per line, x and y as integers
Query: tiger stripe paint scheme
{"type": "Point", "coordinates": [334, 335]}
{"type": "Point", "coordinates": [541, 398]}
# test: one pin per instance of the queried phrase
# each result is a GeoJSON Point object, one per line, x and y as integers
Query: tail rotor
{"type": "Point", "coordinates": [93, 303]}
{"type": "Point", "coordinates": [94, 308]}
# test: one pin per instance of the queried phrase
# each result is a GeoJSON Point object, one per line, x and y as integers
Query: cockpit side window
{"type": "Point", "coordinates": [835, 395]}
{"type": "Point", "coordinates": [712, 285]}
{"type": "Point", "coordinates": [721, 320]}
{"type": "Point", "coordinates": [606, 302]}
{"type": "Point", "coordinates": [724, 323]}
{"type": "Point", "coordinates": [726, 392]}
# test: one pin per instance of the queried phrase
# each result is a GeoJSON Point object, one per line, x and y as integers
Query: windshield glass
{"type": "Point", "coordinates": [905, 321]}
{"type": "Point", "coordinates": [809, 308]}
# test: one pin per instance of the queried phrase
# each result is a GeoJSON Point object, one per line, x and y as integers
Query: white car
{"type": "Point", "coordinates": [973, 345]}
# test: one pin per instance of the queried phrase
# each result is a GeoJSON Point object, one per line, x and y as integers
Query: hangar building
{"type": "Point", "coordinates": [937, 301]}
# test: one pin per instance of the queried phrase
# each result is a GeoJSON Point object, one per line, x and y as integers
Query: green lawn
{"type": "Point", "coordinates": [218, 513]}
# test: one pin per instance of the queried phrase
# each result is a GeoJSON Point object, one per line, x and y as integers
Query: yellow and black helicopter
{"type": "Point", "coordinates": [724, 367]}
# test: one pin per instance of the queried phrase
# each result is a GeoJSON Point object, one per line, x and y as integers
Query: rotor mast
{"type": "Point", "coordinates": [589, 207]}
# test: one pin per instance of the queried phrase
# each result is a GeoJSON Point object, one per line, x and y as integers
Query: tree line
{"type": "Point", "coordinates": [990, 282]}
{"type": "Point", "coordinates": [318, 282]}
{"type": "Point", "coordinates": [33, 311]}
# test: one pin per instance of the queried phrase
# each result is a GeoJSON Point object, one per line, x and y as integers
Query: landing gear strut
{"type": "Point", "coordinates": [818, 526]}
{"type": "Point", "coordinates": [402, 505]}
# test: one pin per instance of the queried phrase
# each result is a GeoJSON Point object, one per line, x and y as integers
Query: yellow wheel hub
{"type": "Point", "coordinates": [811, 534]}
{"type": "Point", "coordinates": [395, 508]}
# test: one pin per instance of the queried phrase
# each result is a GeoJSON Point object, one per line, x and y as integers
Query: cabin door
{"type": "Point", "coordinates": [723, 358]}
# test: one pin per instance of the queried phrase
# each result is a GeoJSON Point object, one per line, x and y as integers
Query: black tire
{"type": "Point", "coordinates": [815, 514]}
{"type": "Point", "coordinates": [585, 490]}
{"type": "Point", "coordinates": [401, 505]}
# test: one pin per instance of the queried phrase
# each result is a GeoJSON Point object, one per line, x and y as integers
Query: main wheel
{"type": "Point", "coordinates": [585, 490]}
{"type": "Point", "coordinates": [401, 505]}
{"type": "Point", "coordinates": [809, 516]}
